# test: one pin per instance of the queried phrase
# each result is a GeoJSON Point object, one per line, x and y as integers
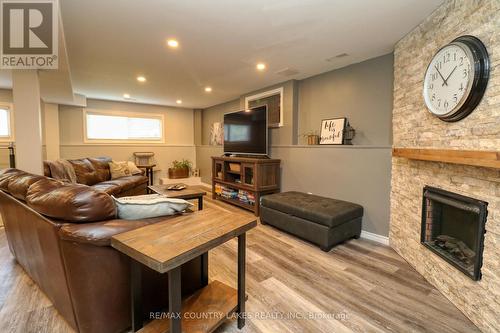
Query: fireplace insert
{"type": "Point", "coordinates": [453, 227]}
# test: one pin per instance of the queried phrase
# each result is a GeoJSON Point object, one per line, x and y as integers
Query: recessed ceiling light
{"type": "Point", "coordinates": [126, 96]}
{"type": "Point", "coordinates": [173, 43]}
{"type": "Point", "coordinates": [208, 89]}
{"type": "Point", "coordinates": [261, 66]}
{"type": "Point", "coordinates": [178, 101]}
{"type": "Point", "coordinates": [141, 79]}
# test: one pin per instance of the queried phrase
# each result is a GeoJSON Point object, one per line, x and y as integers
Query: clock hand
{"type": "Point", "coordinates": [446, 80]}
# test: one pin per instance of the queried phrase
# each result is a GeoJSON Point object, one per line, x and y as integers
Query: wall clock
{"type": "Point", "coordinates": [456, 78]}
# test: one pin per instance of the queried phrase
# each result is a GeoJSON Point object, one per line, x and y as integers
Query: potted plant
{"type": "Point", "coordinates": [312, 137]}
{"type": "Point", "coordinates": [179, 169]}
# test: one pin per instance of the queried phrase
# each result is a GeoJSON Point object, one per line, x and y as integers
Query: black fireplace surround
{"type": "Point", "coordinates": [453, 227]}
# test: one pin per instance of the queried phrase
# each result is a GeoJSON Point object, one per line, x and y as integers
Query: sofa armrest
{"type": "Point", "coordinates": [100, 233]}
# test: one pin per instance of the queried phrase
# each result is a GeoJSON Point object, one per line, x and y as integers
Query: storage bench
{"type": "Point", "coordinates": [322, 221]}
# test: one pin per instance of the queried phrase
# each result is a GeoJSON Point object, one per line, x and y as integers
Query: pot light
{"type": "Point", "coordinates": [141, 79]}
{"type": "Point", "coordinates": [173, 43]}
{"type": "Point", "coordinates": [208, 89]}
{"type": "Point", "coordinates": [179, 101]}
{"type": "Point", "coordinates": [261, 66]}
{"type": "Point", "coordinates": [126, 96]}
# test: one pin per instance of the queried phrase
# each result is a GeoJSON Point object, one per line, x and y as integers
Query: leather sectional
{"type": "Point", "coordinates": [60, 234]}
{"type": "Point", "coordinates": [95, 172]}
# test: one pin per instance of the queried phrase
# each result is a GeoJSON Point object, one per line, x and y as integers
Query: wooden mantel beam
{"type": "Point", "coordinates": [487, 159]}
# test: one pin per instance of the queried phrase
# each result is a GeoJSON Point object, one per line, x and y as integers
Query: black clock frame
{"type": "Point", "coordinates": [481, 77]}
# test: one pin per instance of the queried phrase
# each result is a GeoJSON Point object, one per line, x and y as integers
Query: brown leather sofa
{"type": "Point", "coordinates": [60, 234]}
{"type": "Point", "coordinates": [95, 172]}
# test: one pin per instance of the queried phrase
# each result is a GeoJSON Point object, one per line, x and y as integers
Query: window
{"type": "Point", "coordinates": [113, 126]}
{"type": "Point", "coordinates": [5, 123]}
{"type": "Point", "coordinates": [273, 99]}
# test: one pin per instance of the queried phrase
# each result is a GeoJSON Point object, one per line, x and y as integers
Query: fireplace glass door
{"type": "Point", "coordinates": [453, 227]}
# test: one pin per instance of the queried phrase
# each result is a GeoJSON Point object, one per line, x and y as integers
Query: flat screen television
{"type": "Point", "coordinates": [245, 132]}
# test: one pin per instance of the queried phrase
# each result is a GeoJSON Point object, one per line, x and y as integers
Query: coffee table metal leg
{"type": "Point", "coordinates": [174, 299]}
{"type": "Point", "coordinates": [241, 279]}
{"type": "Point", "coordinates": [136, 295]}
{"type": "Point", "coordinates": [204, 269]}
{"type": "Point", "coordinates": [200, 203]}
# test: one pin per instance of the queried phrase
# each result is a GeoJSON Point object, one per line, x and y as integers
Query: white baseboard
{"type": "Point", "coordinates": [375, 237]}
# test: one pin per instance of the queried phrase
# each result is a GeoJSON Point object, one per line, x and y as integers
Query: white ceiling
{"type": "Point", "coordinates": [111, 42]}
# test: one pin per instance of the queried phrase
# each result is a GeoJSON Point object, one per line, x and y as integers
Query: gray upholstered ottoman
{"type": "Point", "coordinates": [323, 221]}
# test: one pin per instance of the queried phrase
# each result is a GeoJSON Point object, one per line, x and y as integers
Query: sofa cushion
{"type": "Point", "coordinates": [111, 189]}
{"type": "Point", "coordinates": [100, 233]}
{"type": "Point", "coordinates": [18, 186]}
{"type": "Point", "coordinates": [85, 172]}
{"type": "Point", "coordinates": [6, 175]}
{"type": "Point", "coordinates": [101, 167]}
{"type": "Point", "coordinates": [325, 211]}
{"type": "Point", "coordinates": [70, 202]}
{"type": "Point", "coordinates": [126, 183]}
{"type": "Point", "coordinates": [62, 170]}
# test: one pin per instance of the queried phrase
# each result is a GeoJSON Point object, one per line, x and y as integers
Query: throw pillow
{"type": "Point", "coordinates": [118, 169]}
{"type": "Point", "coordinates": [134, 170]}
{"type": "Point", "coordinates": [146, 206]}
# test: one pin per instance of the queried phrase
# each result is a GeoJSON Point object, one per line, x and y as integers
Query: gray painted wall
{"type": "Point", "coordinates": [355, 174]}
{"type": "Point", "coordinates": [361, 92]}
{"type": "Point", "coordinates": [361, 173]}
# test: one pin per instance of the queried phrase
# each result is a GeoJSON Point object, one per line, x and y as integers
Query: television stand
{"type": "Point", "coordinates": [241, 181]}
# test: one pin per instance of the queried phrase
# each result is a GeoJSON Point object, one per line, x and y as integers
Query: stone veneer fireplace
{"type": "Point", "coordinates": [414, 127]}
{"type": "Point", "coordinates": [453, 227]}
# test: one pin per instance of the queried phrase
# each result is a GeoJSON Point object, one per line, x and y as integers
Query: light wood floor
{"type": "Point", "coordinates": [359, 286]}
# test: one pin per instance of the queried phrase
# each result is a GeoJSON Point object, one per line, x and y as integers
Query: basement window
{"type": "Point", "coordinates": [109, 126]}
{"type": "Point", "coordinates": [6, 124]}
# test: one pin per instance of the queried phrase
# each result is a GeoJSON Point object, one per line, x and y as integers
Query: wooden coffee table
{"type": "Point", "coordinates": [165, 247]}
{"type": "Point", "coordinates": [190, 192]}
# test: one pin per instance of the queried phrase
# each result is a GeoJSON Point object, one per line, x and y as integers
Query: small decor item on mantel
{"type": "Point", "coordinates": [179, 169]}
{"type": "Point", "coordinates": [216, 134]}
{"type": "Point", "coordinates": [349, 134]}
{"type": "Point", "coordinates": [312, 138]}
{"type": "Point", "coordinates": [332, 131]}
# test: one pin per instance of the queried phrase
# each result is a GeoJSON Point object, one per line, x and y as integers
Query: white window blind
{"type": "Point", "coordinates": [117, 127]}
{"type": "Point", "coordinates": [4, 123]}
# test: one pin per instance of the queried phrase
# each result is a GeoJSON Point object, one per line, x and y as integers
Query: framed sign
{"type": "Point", "coordinates": [332, 131]}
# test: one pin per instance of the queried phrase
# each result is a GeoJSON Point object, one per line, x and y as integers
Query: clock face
{"type": "Point", "coordinates": [448, 80]}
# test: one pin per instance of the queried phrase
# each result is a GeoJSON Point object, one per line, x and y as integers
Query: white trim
{"type": "Point", "coordinates": [267, 94]}
{"type": "Point", "coordinates": [128, 114]}
{"type": "Point", "coordinates": [10, 115]}
{"type": "Point", "coordinates": [375, 237]}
